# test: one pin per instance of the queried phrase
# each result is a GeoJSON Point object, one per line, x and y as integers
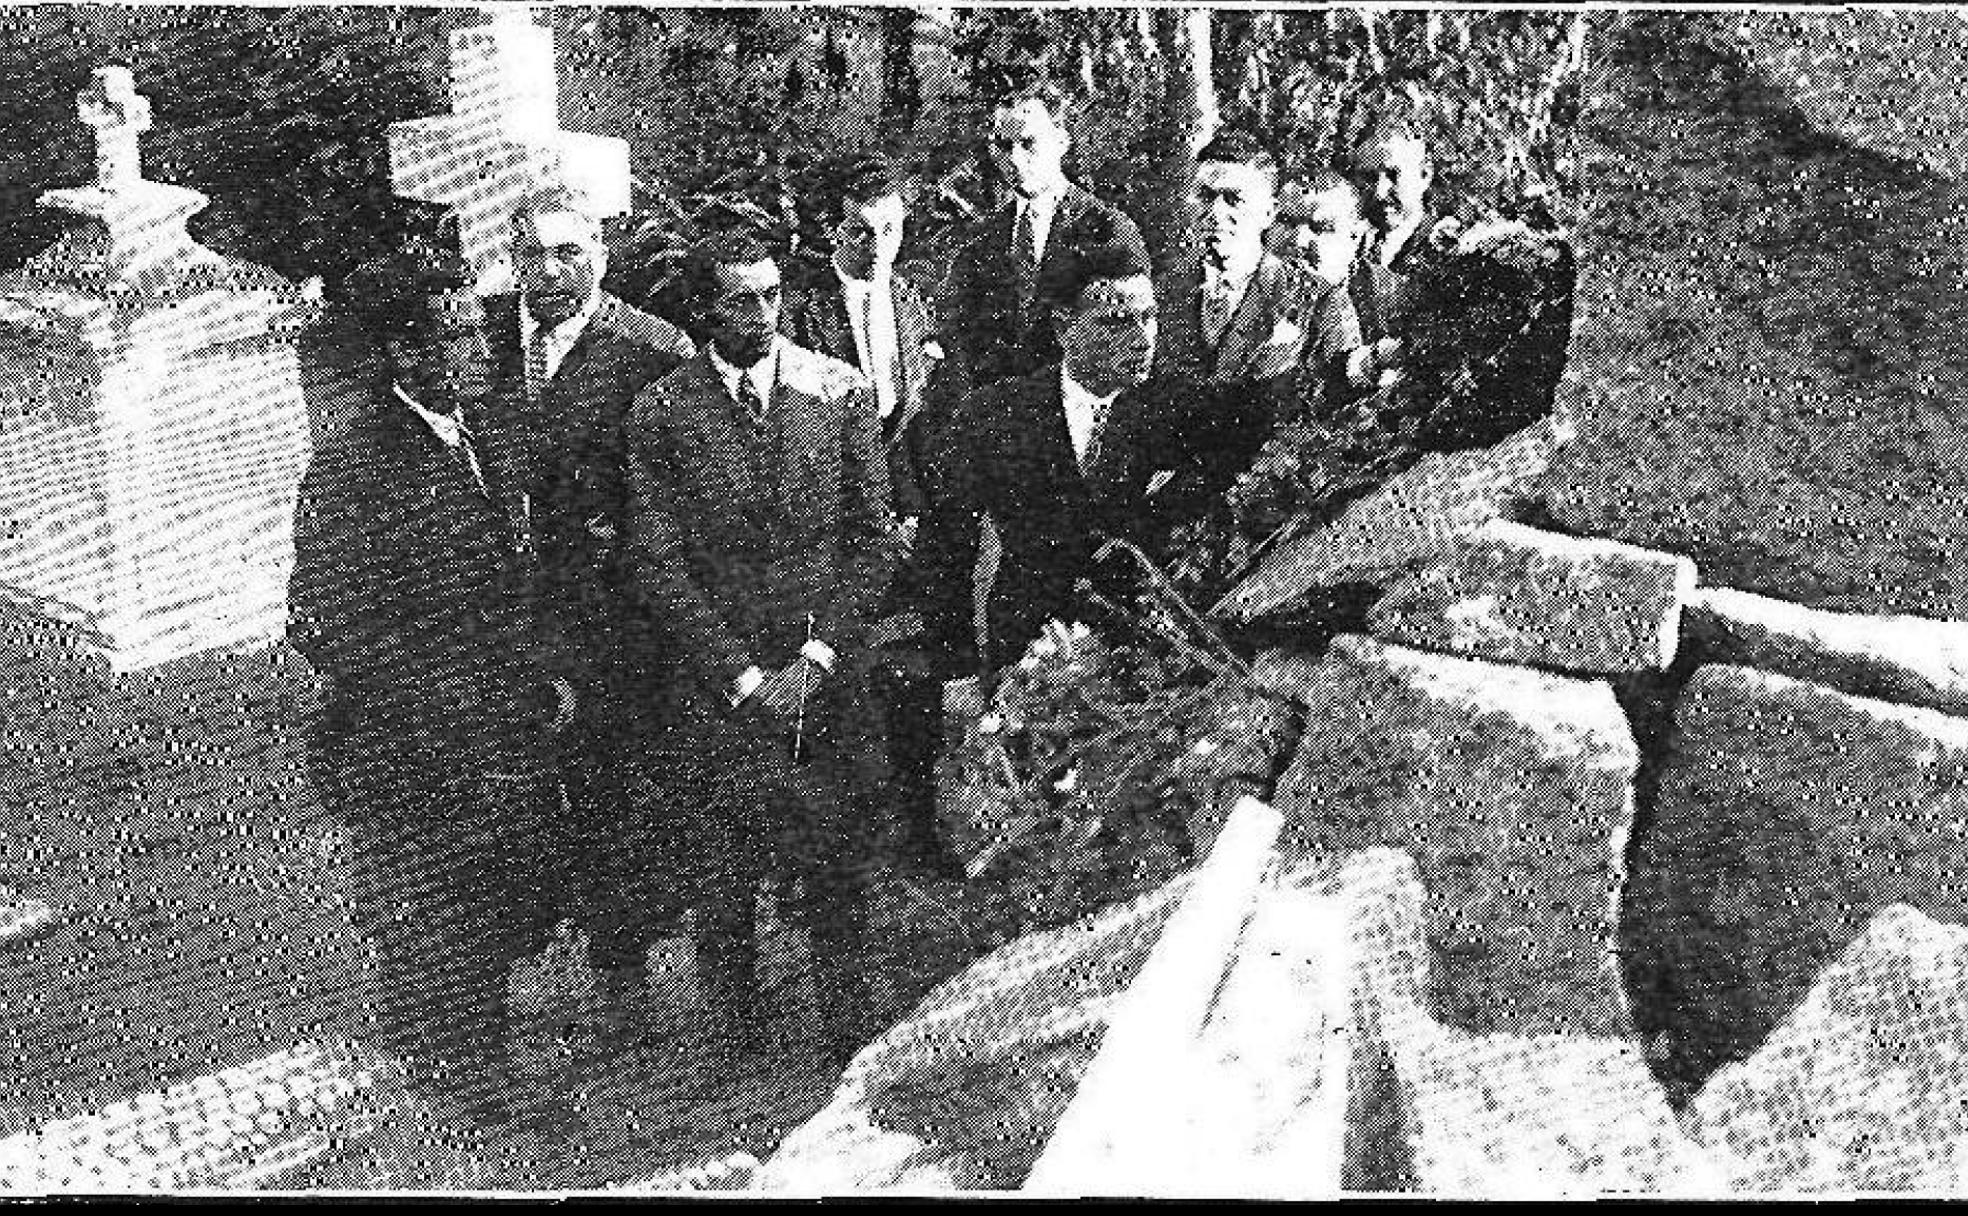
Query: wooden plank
{"type": "Point", "coordinates": [1127, 1108]}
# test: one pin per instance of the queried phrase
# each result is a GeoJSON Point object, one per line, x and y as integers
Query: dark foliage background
{"type": "Point", "coordinates": [279, 114]}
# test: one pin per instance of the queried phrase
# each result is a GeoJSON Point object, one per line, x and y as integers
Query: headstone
{"type": "Point", "coordinates": [152, 430]}
{"type": "Point", "coordinates": [1859, 1089]}
{"type": "Point", "coordinates": [1892, 658]}
{"type": "Point", "coordinates": [1788, 814]}
{"type": "Point", "coordinates": [1521, 595]}
{"type": "Point", "coordinates": [1769, 317]}
{"type": "Point", "coordinates": [1512, 788]}
{"type": "Point", "coordinates": [502, 139]}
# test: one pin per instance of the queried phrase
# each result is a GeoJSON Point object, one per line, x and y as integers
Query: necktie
{"type": "Point", "coordinates": [536, 363]}
{"type": "Point", "coordinates": [1025, 259]}
{"type": "Point", "coordinates": [748, 396]}
{"type": "Point", "coordinates": [1217, 299]}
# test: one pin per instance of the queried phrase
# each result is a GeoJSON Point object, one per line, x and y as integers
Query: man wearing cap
{"type": "Point", "coordinates": [411, 593]}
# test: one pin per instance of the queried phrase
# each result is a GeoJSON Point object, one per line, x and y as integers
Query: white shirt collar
{"type": "Point", "coordinates": [1231, 277]}
{"type": "Point", "coordinates": [764, 374]}
{"type": "Point", "coordinates": [1042, 207]}
{"type": "Point", "coordinates": [449, 428]}
{"type": "Point", "coordinates": [1397, 240]}
{"type": "Point", "coordinates": [1084, 411]}
{"type": "Point", "coordinates": [562, 337]}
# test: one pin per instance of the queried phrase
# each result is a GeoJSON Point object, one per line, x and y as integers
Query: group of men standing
{"type": "Point", "coordinates": [621, 620]}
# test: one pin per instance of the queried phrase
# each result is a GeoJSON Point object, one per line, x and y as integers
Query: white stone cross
{"type": "Point", "coordinates": [118, 114]}
{"type": "Point", "coordinates": [503, 140]}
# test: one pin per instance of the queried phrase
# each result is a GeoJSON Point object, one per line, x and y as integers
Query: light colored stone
{"type": "Point", "coordinates": [1859, 1089]}
{"type": "Point", "coordinates": [1513, 790]}
{"type": "Point", "coordinates": [1132, 1127]}
{"type": "Point", "coordinates": [1443, 1112]}
{"type": "Point", "coordinates": [1521, 595]}
{"type": "Point", "coordinates": [1543, 1117]}
{"type": "Point", "coordinates": [1788, 814]}
{"type": "Point", "coordinates": [1892, 658]}
{"type": "Point", "coordinates": [23, 917]}
{"type": "Point", "coordinates": [1414, 518]}
{"type": "Point", "coordinates": [241, 1127]}
{"type": "Point", "coordinates": [152, 429]}
{"type": "Point", "coordinates": [501, 140]}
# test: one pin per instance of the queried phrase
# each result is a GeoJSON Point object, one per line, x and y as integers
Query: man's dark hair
{"type": "Point", "coordinates": [854, 180]}
{"type": "Point", "coordinates": [1239, 147]}
{"type": "Point", "coordinates": [1096, 257]}
{"type": "Point", "coordinates": [737, 247]}
{"type": "Point", "coordinates": [390, 297]}
{"type": "Point", "coordinates": [1038, 89]}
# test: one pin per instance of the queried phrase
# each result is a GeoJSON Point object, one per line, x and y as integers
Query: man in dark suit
{"type": "Point", "coordinates": [569, 359]}
{"type": "Point", "coordinates": [988, 309]}
{"type": "Point", "coordinates": [1243, 330]}
{"type": "Point", "coordinates": [859, 310]}
{"type": "Point", "coordinates": [1479, 343]}
{"type": "Point", "coordinates": [761, 539]}
{"type": "Point", "coordinates": [1060, 460]}
{"type": "Point", "coordinates": [411, 593]}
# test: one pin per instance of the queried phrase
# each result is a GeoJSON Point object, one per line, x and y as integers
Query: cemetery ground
{"type": "Point", "coordinates": [201, 970]}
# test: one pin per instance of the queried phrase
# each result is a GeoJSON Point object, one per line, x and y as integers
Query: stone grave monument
{"type": "Point", "coordinates": [153, 434]}
{"type": "Point", "coordinates": [152, 431]}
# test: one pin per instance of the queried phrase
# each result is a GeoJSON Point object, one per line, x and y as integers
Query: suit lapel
{"type": "Point", "coordinates": [1251, 325]}
{"type": "Point", "coordinates": [1182, 334]}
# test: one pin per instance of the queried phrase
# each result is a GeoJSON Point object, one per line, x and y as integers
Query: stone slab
{"type": "Point", "coordinates": [1788, 814]}
{"type": "Point", "coordinates": [1768, 320]}
{"type": "Point", "coordinates": [1412, 519]}
{"type": "Point", "coordinates": [1512, 789]}
{"type": "Point", "coordinates": [1132, 1125]}
{"type": "Point", "coordinates": [1909, 659]}
{"type": "Point", "coordinates": [1544, 1117]}
{"type": "Point", "coordinates": [1859, 1089]}
{"type": "Point", "coordinates": [1517, 594]}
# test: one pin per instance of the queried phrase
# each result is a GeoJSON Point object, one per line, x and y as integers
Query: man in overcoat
{"type": "Point", "coordinates": [412, 594]}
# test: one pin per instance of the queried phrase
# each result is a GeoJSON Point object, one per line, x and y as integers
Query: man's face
{"type": "Point", "coordinates": [1233, 204]}
{"type": "Point", "coordinates": [1108, 339]}
{"type": "Point", "coordinates": [560, 260]}
{"type": "Point", "coordinates": [1392, 176]}
{"type": "Point", "coordinates": [1322, 227]}
{"type": "Point", "coordinates": [744, 311]}
{"type": "Point", "coordinates": [448, 363]}
{"type": "Point", "coordinates": [869, 236]}
{"type": "Point", "coordinates": [1029, 146]}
